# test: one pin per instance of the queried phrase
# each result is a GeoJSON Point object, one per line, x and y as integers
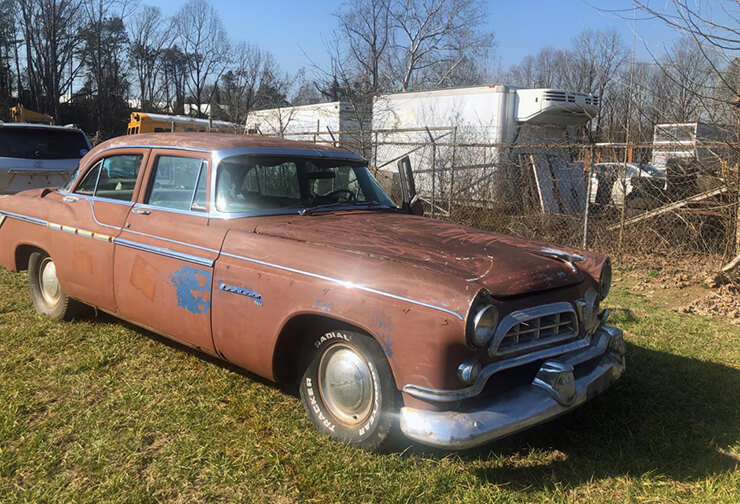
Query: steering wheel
{"type": "Point", "coordinates": [350, 196]}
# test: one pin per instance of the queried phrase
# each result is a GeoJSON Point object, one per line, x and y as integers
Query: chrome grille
{"type": "Point", "coordinates": [526, 330]}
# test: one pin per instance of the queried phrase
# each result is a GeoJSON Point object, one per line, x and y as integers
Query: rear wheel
{"type": "Point", "coordinates": [47, 294]}
{"type": "Point", "coordinates": [348, 389]}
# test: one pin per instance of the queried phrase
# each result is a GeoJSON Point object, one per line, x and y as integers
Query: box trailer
{"type": "Point", "coordinates": [338, 123]}
{"type": "Point", "coordinates": [499, 136]}
{"type": "Point", "coordinates": [708, 145]}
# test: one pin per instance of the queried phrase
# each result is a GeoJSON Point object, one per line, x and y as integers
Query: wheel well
{"type": "Point", "coordinates": [22, 255]}
{"type": "Point", "coordinates": [291, 344]}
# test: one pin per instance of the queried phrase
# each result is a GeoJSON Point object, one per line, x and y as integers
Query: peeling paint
{"type": "Point", "coordinates": [193, 289]}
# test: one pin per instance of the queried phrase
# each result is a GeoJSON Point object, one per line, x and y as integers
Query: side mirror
{"type": "Point", "coordinates": [416, 207]}
{"type": "Point", "coordinates": [411, 202]}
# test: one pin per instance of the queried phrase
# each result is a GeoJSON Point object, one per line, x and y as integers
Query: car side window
{"type": "Point", "coordinates": [87, 186]}
{"type": "Point", "coordinates": [179, 183]}
{"type": "Point", "coordinates": [112, 178]}
{"type": "Point", "coordinates": [118, 177]}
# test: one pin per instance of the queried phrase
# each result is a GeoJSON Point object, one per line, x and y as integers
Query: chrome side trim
{"type": "Point", "coordinates": [203, 261]}
{"type": "Point", "coordinates": [24, 218]}
{"type": "Point", "coordinates": [209, 262]}
{"type": "Point", "coordinates": [2, 219]}
{"type": "Point", "coordinates": [206, 249]}
{"type": "Point", "coordinates": [343, 283]}
{"type": "Point", "coordinates": [580, 351]}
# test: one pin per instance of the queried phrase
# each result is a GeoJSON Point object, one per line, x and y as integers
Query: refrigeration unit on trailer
{"type": "Point", "coordinates": [505, 135]}
{"type": "Point", "coordinates": [338, 123]}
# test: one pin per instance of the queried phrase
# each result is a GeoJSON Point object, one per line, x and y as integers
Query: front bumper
{"type": "Point", "coordinates": [559, 387]}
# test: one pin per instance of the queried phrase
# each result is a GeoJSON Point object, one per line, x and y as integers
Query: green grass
{"type": "Point", "coordinates": [98, 411]}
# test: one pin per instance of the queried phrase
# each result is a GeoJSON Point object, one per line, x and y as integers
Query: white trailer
{"type": "Point", "coordinates": [338, 123]}
{"type": "Point", "coordinates": [498, 130]}
{"type": "Point", "coordinates": [707, 144]}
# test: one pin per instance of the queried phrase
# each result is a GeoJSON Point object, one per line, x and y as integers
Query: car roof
{"type": "Point", "coordinates": [39, 126]}
{"type": "Point", "coordinates": [211, 142]}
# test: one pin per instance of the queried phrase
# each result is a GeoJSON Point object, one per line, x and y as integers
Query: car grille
{"type": "Point", "coordinates": [532, 328]}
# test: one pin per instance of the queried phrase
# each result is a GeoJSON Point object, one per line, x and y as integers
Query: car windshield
{"type": "Point", "coordinates": [41, 143]}
{"type": "Point", "coordinates": [251, 183]}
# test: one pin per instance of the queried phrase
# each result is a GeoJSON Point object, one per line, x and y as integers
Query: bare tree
{"type": "Point", "coordinates": [206, 47]}
{"type": "Point", "coordinates": [365, 29]}
{"type": "Point", "coordinates": [434, 40]}
{"type": "Point", "coordinates": [50, 29]}
{"type": "Point", "coordinates": [150, 34]}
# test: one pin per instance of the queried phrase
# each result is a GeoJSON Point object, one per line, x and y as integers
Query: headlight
{"type": "Point", "coordinates": [483, 325]}
{"type": "Point", "coordinates": [605, 279]}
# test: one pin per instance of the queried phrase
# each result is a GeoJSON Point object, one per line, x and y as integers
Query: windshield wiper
{"type": "Point", "coordinates": [364, 204]}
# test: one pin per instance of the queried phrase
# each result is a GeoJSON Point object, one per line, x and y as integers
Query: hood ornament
{"type": "Point", "coordinates": [566, 257]}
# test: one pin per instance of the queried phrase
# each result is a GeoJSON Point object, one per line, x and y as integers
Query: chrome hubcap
{"type": "Point", "coordinates": [345, 384]}
{"type": "Point", "coordinates": [48, 282]}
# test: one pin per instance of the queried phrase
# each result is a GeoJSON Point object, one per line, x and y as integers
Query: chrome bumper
{"type": "Point", "coordinates": [555, 390]}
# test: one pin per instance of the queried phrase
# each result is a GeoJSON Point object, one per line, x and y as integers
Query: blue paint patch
{"type": "Point", "coordinates": [385, 329]}
{"type": "Point", "coordinates": [321, 305]}
{"type": "Point", "coordinates": [193, 288]}
{"type": "Point", "coordinates": [387, 346]}
{"type": "Point", "coordinates": [254, 296]}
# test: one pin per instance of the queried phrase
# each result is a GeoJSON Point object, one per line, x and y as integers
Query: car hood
{"type": "Point", "coordinates": [503, 265]}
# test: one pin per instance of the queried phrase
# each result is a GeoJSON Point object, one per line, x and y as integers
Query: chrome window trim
{"type": "Point", "coordinates": [219, 156]}
{"type": "Point", "coordinates": [147, 146]}
{"type": "Point", "coordinates": [96, 198]}
{"type": "Point", "coordinates": [171, 210]}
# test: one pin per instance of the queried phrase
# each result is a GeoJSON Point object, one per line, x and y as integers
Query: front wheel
{"type": "Point", "coordinates": [348, 389]}
{"type": "Point", "coordinates": [46, 292]}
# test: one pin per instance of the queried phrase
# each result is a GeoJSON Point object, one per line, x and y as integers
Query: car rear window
{"type": "Point", "coordinates": [41, 143]}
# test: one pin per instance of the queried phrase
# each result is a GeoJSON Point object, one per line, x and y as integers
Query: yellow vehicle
{"type": "Point", "coordinates": [143, 122]}
{"type": "Point", "coordinates": [20, 114]}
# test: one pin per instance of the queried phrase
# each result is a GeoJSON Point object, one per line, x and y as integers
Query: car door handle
{"type": "Point", "coordinates": [70, 199]}
{"type": "Point", "coordinates": [141, 211]}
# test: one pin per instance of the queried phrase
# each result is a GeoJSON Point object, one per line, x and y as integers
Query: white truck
{"type": "Point", "coordinates": [506, 136]}
{"type": "Point", "coordinates": [338, 123]}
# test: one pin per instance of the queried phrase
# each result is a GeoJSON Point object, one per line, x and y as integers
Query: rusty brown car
{"type": "Point", "coordinates": [289, 260]}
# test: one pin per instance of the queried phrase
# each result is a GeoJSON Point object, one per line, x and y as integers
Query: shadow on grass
{"type": "Point", "coordinates": [669, 415]}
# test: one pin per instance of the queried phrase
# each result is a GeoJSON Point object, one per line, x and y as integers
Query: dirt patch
{"type": "Point", "coordinates": [724, 302]}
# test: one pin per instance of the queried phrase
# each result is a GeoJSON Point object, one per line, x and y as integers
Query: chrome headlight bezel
{"type": "Point", "coordinates": [482, 322]}
{"type": "Point", "coordinates": [605, 279]}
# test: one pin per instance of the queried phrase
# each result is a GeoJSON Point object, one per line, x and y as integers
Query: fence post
{"type": "Point", "coordinates": [434, 169]}
{"type": "Point", "coordinates": [452, 172]}
{"type": "Point", "coordinates": [588, 171]}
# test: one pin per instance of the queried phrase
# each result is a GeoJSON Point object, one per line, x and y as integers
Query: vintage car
{"type": "Point", "coordinates": [288, 260]}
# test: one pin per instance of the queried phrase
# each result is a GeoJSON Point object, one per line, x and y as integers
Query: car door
{"type": "Point", "coordinates": [92, 215]}
{"type": "Point", "coordinates": [163, 271]}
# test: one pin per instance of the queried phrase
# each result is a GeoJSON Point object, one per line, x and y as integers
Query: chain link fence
{"type": "Point", "coordinates": [617, 198]}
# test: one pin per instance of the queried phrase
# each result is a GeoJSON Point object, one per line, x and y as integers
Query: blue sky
{"type": "Point", "coordinates": [295, 30]}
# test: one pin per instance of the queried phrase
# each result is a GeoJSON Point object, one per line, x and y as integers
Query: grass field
{"type": "Point", "coordinates": [98, 411]}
